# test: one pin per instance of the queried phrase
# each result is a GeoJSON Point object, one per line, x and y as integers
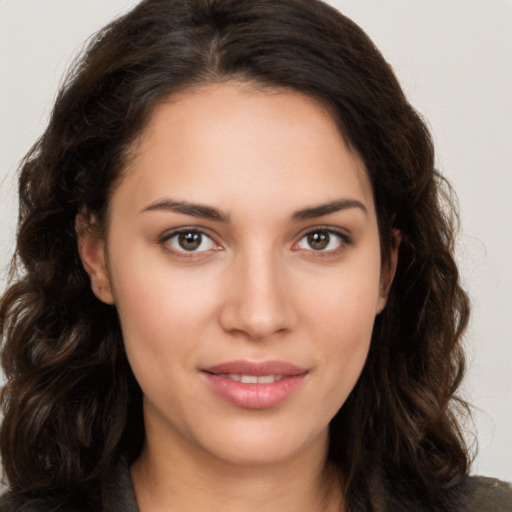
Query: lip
{"type": "Point", "coordinates": [255, 396]}
{"type": "Point", "coordinates": [257, 368]}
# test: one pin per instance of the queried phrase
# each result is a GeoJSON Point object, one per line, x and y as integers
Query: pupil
{"type": "Point", "coordinates": [190, 241]}
{"type": "Point", "coordinates": [318, 240]}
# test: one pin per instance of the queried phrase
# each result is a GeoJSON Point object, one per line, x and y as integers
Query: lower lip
{"type": "Point", "coordinates": [254, 396]}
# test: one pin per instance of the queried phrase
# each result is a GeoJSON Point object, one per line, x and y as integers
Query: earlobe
{"type": "Point", "coordinates": [92, 250]}
{"type": "Point", "coordinates": [388, 273]}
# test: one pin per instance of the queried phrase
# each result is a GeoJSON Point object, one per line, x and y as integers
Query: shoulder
{"type": "Point", "coordinates": [483, 494]}
{"type": "Point", "coordinates": [8, 504]}
{"type": "Point", "coordinates": [56, 502]}
{"type": "Point", "coordinates": [114, 494]}
{"type": "Point", "coordinates": [20, 504]}
{"type": "Point", "coordinates": [5, 504]}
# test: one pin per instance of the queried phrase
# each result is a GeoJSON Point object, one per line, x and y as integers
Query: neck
{"type": "Point", "coordinates": [179, 479]}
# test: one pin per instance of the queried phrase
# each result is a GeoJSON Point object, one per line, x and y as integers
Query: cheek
{"type": "Point", "coordinates": [154, 296]}
{"type": "Point", "coordinates": [346, 301]}
{"type": "Point", "coordinates": [342, 315]}
{"type": "Point", "coordinates": [163, 313]}
{"type": "Point", "coordinates": [162, 321]}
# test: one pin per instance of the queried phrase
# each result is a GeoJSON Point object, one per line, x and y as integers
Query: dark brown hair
{"type": "Point", "coordinates": [71, 405]}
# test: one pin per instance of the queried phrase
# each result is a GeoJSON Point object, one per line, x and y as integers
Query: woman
{"type": "Point", "coordinates": [238, 287]}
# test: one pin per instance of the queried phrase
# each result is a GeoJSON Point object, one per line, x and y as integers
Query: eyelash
{"type": "Point", "coordinates": [343, 241]}
{"type": "Point", "coordinates": [167, 239]}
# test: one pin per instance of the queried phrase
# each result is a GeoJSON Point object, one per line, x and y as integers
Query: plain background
{"type": "Point", "coordinates": [454, 59]}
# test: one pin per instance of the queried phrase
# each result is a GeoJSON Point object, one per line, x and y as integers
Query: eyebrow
{"type": "Point", "coordinates": [192, 209]}
{"type": "Point", "coordinates": [326, 209]}
{"type": "Point", "coordinates": [209, 212]}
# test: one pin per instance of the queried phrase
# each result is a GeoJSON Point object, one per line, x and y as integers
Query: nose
{"type": "Point", "coordinates": [259, 301]}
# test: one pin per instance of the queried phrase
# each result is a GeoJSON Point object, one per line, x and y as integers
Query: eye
{"type": "Point", "coordinates": [189, 240]}
{"type": "Point", "coordinates": [323, 240]}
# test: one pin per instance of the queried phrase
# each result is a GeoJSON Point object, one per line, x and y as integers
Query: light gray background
{"type": "Point", "coordinates": [454, 59]}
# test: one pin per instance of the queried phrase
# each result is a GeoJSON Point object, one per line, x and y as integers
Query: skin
{"type": "Point", "coordinates": [255, 290]}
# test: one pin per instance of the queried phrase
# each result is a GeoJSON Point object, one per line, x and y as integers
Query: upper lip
{"type": "Point", "coordinates": [242, 367]}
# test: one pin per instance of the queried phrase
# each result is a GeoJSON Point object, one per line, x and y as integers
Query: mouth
{"type": "Point", "coordinates": [252, 385]}
{"type": "Point", "coordinates": [252, 379]}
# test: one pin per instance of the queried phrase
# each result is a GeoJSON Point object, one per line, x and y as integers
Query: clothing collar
{"type": "Point", "coordinates": [118, 491]}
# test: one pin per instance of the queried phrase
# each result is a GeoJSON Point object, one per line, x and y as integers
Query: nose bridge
{"type": "Point", "coordinates": [260, 303]}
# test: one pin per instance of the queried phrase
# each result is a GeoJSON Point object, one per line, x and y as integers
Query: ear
{"type": "Point", "coordinates": [92, 250]}
{"type": "Point", "coordinates": [388, 271]}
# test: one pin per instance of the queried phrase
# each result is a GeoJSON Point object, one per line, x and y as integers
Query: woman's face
{"type": "Point", "coordinates": [243, 257]}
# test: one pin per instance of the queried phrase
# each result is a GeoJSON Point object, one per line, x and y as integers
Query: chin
{"type": "Point", "coordinates": [262, 444]}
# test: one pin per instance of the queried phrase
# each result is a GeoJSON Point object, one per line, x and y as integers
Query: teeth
{"type": "Point", "coordinates": [249, 379]}
{"type": "Point", "coordinates": [253, 379]}
{"type": "Point", "coordinates": [267, 379]}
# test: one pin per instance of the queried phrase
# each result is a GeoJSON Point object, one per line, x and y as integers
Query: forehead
{"type": "Point", "coordinates": [234, 138]}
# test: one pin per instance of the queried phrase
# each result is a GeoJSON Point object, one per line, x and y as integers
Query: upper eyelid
{"type": "Point", "coordinates": [341, 232]}
{"type": "Point", "coordinates": [164, 241]}
{"type": "Point", "coordinates": [184, 229]}
{"type": "Point", "coordinates": [344, 233]}
{"type": "Point", "coordinates": [345, 238]}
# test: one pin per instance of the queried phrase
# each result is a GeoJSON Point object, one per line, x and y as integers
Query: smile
{"type": "Point", "coordinates": [251, 385]}
{"type": "Point", "coordinates": [253, 379]}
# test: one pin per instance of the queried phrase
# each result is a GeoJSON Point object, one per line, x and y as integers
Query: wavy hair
{"type": "Point", "coordinates": [71, 406]}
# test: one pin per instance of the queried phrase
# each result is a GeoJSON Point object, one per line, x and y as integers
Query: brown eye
{"type": "Point", "coordinates": [318, 240]}
{"type": "Point", "coordinates": [323, 240]}
{"type": "Point", "coordinates": [190, 240]}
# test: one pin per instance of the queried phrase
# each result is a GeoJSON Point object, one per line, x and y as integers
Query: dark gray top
{"type": "Point", "coordinates": [483, 494]}
{"type": "Point", "coordinates": [480, 494]}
